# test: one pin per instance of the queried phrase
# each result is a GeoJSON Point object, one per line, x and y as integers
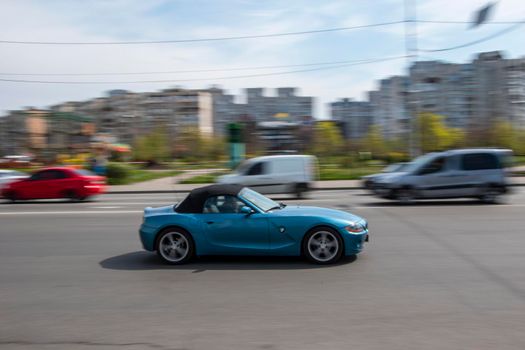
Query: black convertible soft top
{"type": "Point", "coordinates": [194, 202]}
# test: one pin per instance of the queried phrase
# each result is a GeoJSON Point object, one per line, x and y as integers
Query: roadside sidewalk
{"type": "Point", "coordinates": [164, 184]}
{"type": "Point", "coordinates": [170, 184]}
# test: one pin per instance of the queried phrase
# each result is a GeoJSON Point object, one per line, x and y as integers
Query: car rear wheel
{"type": "Point", "coordinates": [175, 246]}
{"type": "Point", "coordinates": [300, 190]}
{"type": "Point", "coordinates": [11, 196]}
{"type": "Point", "coordinates": [490, 195]}
{"type": "Point", "coordinates": [72, 195]}
{"type": "Point", "coordinates": [323, 246]}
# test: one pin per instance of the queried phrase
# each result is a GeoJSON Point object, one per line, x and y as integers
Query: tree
{"type": "Point", "coordinates": [374, 142]}
{"type": "Point", "coordinates": [434, 135]}
{"type": "Point", "coordinates": [327, 139]}
{"type": "Point", "coordinates": [153, 147]}
{"type": "Point", "coordinates": [192, 145]}
{"type": "Point", "coordinates": [502, 134]}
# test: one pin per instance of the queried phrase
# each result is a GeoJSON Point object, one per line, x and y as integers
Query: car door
{"type": "Point", "coordinates": [34, 187]}
{"type": "Point", "coordinates": [480, 169]}
{"type": "Point", "coordinates": [228, 231]}
{"type": "Point", "coordinates": [436, 180]}
{"type": "Point", "coordinates": [51, 184]}
{"type": "Point", "coordinates": [59, 183]}
{"type": "Point", "coordinates": [259, 178]}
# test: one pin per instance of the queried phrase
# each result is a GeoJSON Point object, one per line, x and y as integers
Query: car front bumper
{"type": "Point", "coordinates": [354, 243]}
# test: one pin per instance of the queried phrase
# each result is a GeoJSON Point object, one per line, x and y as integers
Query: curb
{"type": "Point", "coordinates": [345, 188]}
{"type": "Point", "coordinates": [186, 191]}
{"type": "Point", "coordinates": [314, 189]}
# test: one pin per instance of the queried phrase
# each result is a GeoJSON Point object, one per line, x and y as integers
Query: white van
{"type": "Point", "coordinates": [275, 174]}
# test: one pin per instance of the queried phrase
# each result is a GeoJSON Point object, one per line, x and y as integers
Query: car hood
{"type": "Point", "coordinates": [317, 211]}
{"type": "Point", "coordinates": [391, 177]}
{"type": "Point", "coordinates": [228, 178]}
{"type": "Point", "coordinates": [372, 176]}
{"type": "Point", "coordinates": [168, 209]}
{"type": "Point", "coordinates": [13, 178]}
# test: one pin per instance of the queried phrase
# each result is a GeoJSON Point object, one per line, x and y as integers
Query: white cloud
{"type": "Point", "coordinates": [139, 20]}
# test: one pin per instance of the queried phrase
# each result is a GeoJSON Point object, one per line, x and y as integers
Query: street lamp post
{"type": "Point", "coordinates": [411, 57]}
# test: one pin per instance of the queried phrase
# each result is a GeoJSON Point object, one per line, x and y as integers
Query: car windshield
{"type": "Point", "coordinates": [84, 172]}
{"type": "Point", "coordinates": [395, 167]}
{"type": "Point", "coordinates": [418, 162]}
{"type": "Point", "coordinates": [242, 168]}
{"type": "Point", "coordinates": [257, 199]}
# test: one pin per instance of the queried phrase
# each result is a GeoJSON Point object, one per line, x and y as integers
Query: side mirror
{"type": "Point", "coordinates": [247, 210]}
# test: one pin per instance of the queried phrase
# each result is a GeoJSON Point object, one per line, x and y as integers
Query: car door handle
{"type": "Point", "coordinates": [210, 222]}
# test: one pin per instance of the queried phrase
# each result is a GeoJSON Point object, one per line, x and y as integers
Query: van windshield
{"type": "Point", "coordinates": [418, 162]}
{"type": "Point", "coordinates": [242, 168]}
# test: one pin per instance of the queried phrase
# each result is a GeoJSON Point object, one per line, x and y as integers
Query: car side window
{"type": "Point", "coordinates": [479, 161]}
{"type": "Point", "coordinates": [434, 166]}
{"type": "Point", "coordinates": [41, 175]}
{"type": "Point", "coordinates": [49, 175]}
{"type": "Point", "coordinates": [256, 169]}
{"type": "Point", "coordinates": [223, 204]}
{"type": "Point", "coordinates": [59, 174]}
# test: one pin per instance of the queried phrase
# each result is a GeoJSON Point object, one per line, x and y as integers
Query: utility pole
{"type": "Point", "coordinates": [411, 57]}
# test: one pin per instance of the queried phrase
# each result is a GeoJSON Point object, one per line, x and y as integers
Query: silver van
{"type": "Point", "coordinates": [476, 173]}
{"type": "Point", "coordinates": [275, 174]}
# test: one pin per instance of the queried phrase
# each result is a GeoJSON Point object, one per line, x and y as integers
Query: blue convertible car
{"type": "Point", "coordinates": [234, 220]}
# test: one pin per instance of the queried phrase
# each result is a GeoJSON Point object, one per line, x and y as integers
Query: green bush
{"type": "Point", "coordinates": [117, 173]}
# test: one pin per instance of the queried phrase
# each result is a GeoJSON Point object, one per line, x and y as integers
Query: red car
{"type": "Point", "coordinates": [57, 182]}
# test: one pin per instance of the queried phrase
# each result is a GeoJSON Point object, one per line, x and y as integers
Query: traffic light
{"type": "Point", "coordinates": [235, 133]}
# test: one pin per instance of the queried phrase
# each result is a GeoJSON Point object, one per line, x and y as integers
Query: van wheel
{"type": "Point", "coordinates": [490, 194]}
{"type": "Point", "coordinates": [300, 190]}
{"type": "Point", "coordinates": [405, 195]}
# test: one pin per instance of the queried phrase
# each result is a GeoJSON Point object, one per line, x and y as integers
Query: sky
{"type": "Point", "coordinates": [139, 20]}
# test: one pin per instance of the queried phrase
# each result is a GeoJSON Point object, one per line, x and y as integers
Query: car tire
{"type": "Point", "coordinates": [405, 195]}
{"type": "Point", "coordinates": [73, 196]}
{"type": "Point", "coordinates": [490, 194]}
{"type": "Point", "coordinates": [323, 246]}
{"type": "Point", "coordinates": [175, 246]}
{"type": "Point", "coordinates": [11, 196]}
{"type": "Point", "coordinates": [300, 190]}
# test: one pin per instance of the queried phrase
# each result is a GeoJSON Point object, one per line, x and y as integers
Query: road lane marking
{"type": "Point", "coordinates": [107, 207]}
{"type": "Point", "coordinates": [84, 212]}
{"type": "Point", "coordinates": [434, 206]}
{"type": "Point", "coordinates": [134, 203]}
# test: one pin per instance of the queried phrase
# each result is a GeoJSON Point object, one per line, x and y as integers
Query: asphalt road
{"type": "Point", "coordinates": [437, 275]}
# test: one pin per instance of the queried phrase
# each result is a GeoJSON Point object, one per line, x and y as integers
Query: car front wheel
{"type": "Point", "coordinates": [175, 246]}
{"type": "Point", "coordinates": [405, 195]}
{"type": "Point", "coordinates": [323, 246]}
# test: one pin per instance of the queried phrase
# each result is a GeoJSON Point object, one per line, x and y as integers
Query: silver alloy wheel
{"type": "Point", "coordinates": [174, 246]}
{"type": "Point", "coordinates": [323, 246]}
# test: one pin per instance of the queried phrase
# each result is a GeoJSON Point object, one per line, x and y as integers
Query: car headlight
{"type": "Point", "coordinates": [354, 228]}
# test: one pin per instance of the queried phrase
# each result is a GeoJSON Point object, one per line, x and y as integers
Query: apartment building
{"type": "Point", "coordinates": [285, 104]}
{"type": "Point", "coordinates": [355, 117]}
